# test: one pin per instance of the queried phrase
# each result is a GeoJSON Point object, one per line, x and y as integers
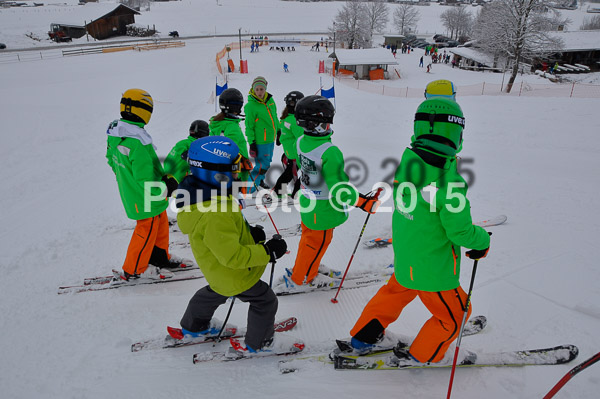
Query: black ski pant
{"type": "Point", "coordinates": [261, 313]}
{"type": "Point", "coordinates": [287, 176]}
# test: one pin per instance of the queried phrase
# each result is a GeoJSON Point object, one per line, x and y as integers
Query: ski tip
{"type": "Point", "coordinates": [573, 352]}
{"type": "Point", "coordinates": [176, 333]}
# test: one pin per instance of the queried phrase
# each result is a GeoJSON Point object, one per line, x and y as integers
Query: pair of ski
{"type": "Point", "coordinates": [186, 271]}
{"type": "Point", "coordinates": [383, 358]}
{"type": "Point", "coordinates": [382, 242]}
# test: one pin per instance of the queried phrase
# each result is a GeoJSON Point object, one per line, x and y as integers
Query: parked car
{"type": "Point", "coordinates": [2, 46]}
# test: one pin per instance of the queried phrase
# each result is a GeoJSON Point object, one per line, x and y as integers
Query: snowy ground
{"type": "Point", "coordinates": [535, 160]}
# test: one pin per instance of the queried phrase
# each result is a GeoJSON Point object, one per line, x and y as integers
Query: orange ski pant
{"type": "Point", "coordinates": [147, 234]}
{"type": "Point", "coordinates": [436, 335]}
{"type": "Point", "coordinates": [312, 247]}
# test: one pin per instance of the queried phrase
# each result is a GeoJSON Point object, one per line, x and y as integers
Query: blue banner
{"type": "Point", "coordinates": [328, 93]}
{"type": "Point", "coordinates": [220, 89]}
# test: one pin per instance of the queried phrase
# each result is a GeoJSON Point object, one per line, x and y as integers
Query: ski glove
{"type": "Point", "coordinates": [368, 204]}
{"type": "Point", "coordinates": [258, 233]}
{"type": "Point", "coordinates": [171, 183]}
{"type": "Point", "coordinates": [253, 150]}
{"type": "Point", "coordinates": [275, 248]}
{"type": "Point", "coordinates": [278, 141]}
{"type": "Point", "coordinates": [477, 254]}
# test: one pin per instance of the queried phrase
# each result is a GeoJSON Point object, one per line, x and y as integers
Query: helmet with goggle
{"type": "Point", "coordinates": [214, 160]}
{"type": "Point", "coordinates": [315, 114]}
{"type": "Point", "coordinates": [439, 122]}
{"type": "Point", "coordinates": [440, 88]}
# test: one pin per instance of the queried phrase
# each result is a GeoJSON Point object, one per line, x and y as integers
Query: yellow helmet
{"type": "Point", "coordinates": [440, 88]}
{"type": "Point", "coordinates": [137, 106]}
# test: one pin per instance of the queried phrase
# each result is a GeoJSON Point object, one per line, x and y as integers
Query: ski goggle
{"type": "Point", "coordinates": [234, 167]}
{"type": "Point", "coordinates": [448, 96]}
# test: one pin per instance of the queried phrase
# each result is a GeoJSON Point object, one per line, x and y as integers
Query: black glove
{"type": "Point", "coordinates": [275, 247]}
{"type": "Point", "coordinates": [171, 183]}
{"type": "Point", "coordinates": [253, 150]}
{"type": "Point", "coordinates": [278, 141]}
{"type": "Point", "coordinates": [258, 233]}
{"type": "Point", "coordinates": [368, 204]}
{"type": "Point", "coordinates": [477, 254]}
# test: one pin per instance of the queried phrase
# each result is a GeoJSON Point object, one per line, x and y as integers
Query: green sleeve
{"type": "Point", "coordinates": [455, 216]}
{"type": "Point", "coordinates": [143, 170]}
{"type": "Point", "coordinates": [333, 172]}
{"type": "Point", "coordinates": [249, 123]}
{"type": "Point", "coordinates": [222, 237]}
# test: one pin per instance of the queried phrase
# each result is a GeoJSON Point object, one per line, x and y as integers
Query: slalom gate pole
{"type": "Point", "coordinates": [571, 373]}
{"type": "Point", "coordinates": [462, 325]}
{"type": "Point", "coordinates": [218, 339]}
{"type": "Point", "coordinates": [334, 299]}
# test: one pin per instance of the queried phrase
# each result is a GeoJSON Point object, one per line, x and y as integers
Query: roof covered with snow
{"type": "Point", "coordinates": [580, 40]}
{"type": "Point", "coordinates": [472, 54]}
{"type": "Point", "coordinates": [79, 15]}
{"type": "Point", "coordinates": [371, 56]}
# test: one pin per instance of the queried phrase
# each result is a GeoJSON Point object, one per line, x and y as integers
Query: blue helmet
{"type": "Point", "coordinates": [214, 160]}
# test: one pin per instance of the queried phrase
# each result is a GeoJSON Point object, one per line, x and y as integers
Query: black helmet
{"type": "Point", "coordinates": [292, 99]}
{"type": "Point", "coordinates": [231, 101]}
{"type": "Point", "coordinates": [314, 114]}
{"type": "Point", "coordinates": [199, 129]}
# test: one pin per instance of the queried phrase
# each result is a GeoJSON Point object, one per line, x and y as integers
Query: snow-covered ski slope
{"type": "Point", "coordinates": [535, 160]}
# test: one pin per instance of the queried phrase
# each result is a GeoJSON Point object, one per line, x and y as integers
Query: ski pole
{"type": "Point", "coordinates": [462, 325]}
{"type": "Point", "coordinates": [276, 237]}
{"type": "Point", "coordinates": [334, 299]}
{"type": "Point", "coordinates": [218, 339]}
{"type": "Point", "coordinates": [571, 373]}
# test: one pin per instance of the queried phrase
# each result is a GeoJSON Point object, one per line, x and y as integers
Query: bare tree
{"type": "Point", "coordinates": [406, 17]}
{"type": "Point", "coordinates": [590, 24]}
{"type": "Point", "coordinates": [458, 21]}
{"type": "Point", "coordinates": [352, 25]}
{"type": "Point", "coordinates": [517, 29]}
{"type": "Point", "coordinates": [377, 16]}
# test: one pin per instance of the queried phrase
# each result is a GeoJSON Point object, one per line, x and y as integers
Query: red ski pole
{"type": "Point", "coordinates": [462, 325]}
{"type": "Point", "coordinates": [571, 373]}
{"type": "Point", "coordinates": [334, 299]}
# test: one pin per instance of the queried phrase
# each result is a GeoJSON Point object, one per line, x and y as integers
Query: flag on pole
{"type": "Point", "coordinates": [221, 89]}
{"type": "Point", "coordinates": [329, 93]}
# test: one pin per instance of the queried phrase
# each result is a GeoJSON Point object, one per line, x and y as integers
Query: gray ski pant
{"type": "Point", "coordinates": [261, 313]}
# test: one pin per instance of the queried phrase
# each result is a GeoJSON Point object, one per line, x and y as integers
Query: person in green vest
{"type": "Point", "coordinates": [227, 123]}
{"type": "Point", "coordinates": [144, 188]}
{"type": "Point", "coordinates": [288, 137]}
{"type": "Point", "coordinates": [430, 223]}
{"type": "Point", "coordinates": [176, 162]}
{"type": "Point", "coordinates": [326, 193]}
{"type": "Point", "coordinates": [261, 129]}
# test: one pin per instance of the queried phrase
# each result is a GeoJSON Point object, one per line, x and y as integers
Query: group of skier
{"type": "Point", "coordinates": [428, 231]}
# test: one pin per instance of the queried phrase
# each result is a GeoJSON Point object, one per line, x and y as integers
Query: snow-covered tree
{"type": "Point", "coordinates": [458, 21]}
{"type": "Point", "coordinates": [352, 26]}
{"type": "Point", "coordinates": [377, 16]}
{"type": "Point", "coordinates": [591, 24]}
{"type": "Point", "coordinates": [517, 30]}
{"type": "Point", "coordinates": [406, 17]}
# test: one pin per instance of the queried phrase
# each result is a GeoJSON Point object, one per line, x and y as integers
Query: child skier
{"type": "Point", "coordinates": [430, 223]}
{"type": "Point", "coordinates": [261, 128]}
{"type": "Point", "coordinates": [227, 123]}
{"type": "Point", "coordinates": [140, 177]}
{"type": "Point", "coordinates": [288, 137]}
{"type": "Point", "coordinates": [322, 178]}
{"type": "Point", "coordinates": [231, 254]}
{"type": "Point", "coordinates": [176, 162]}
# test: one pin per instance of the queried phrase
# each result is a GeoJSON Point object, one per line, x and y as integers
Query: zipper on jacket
{"type": "Point", "coordinates": [454, 257]}
{"type": "Point", "coordinates": [411, 274]}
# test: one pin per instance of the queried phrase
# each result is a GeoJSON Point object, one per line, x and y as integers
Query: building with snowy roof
{"type": "Point", "coordinates": [369, 63]}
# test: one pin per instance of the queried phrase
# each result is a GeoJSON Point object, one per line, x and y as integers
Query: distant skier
{"type": "Point", "coordinates": [261, 129]}
{"type": "Point", "coordinates": [285, 67]}
{"type": "Point", "coordinates": [288, 137]}
{"type": "Point", "coordinates": [175, 163]}
{"type": "Point", "coordinates": [421, 62]}
{"type": "Point", "coordinates": [144, 188]}
{"type": "Point", "coordinates": [232, 254]}
{"type": "Point", "coordinates": [430, 223]}
{"type": "Point", "coordinates": [322, 179]}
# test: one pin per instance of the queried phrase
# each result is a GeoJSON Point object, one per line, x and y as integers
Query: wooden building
{"type": "Point", "coordinates": [113, 23]}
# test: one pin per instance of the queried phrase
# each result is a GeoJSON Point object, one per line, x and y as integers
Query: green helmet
{"type": "Point", "coordinates": [437, 118]}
